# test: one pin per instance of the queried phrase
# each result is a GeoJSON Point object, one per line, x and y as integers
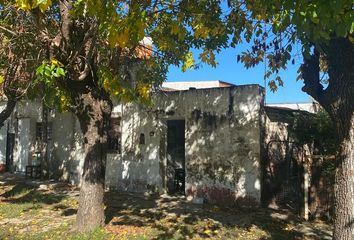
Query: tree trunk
{"type": "Point", "coordinates": [344, 188]}
{"type": "Point", "coordinates": [338, 100]}
{"type": "Point", "coordinates": [6, 112]}
{"type": "Point", "coordinates": [93, 109]}
{"type": "Point", "coordinates": [340, 105]}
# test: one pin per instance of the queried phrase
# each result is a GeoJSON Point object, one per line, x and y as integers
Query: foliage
{"type": "Point", "coordinates": [19, 51]}
{"type": "Point", "coordinates": [282, 31]}
{"type": "Point", "coordinates": [317, 129]}
{"type": "Point", "coordinates": [47, 74]}
{"type": "Point", "coordinates": [111, 38]}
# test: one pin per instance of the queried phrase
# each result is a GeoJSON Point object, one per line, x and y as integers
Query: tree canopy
{"type": "Point", "coordinates": [277, 28]}
{"type": "Point", "coordinates": [114, 33]}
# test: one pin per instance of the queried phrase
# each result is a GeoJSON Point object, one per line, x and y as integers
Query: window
{"type": "Point", "coordinates": [142, 138]}
{"type": "Point", "coordinates": [40, 132]}
{"type": "Point", "coordinates": [114, 135]}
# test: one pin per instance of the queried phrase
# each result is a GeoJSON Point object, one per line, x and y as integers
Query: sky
{"type": "Point", "coordinates": [229, 70]}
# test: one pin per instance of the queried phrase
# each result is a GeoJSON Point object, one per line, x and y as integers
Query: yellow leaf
{"type": "Point", "coordinates": [44, 5]}
{"type": "Point", "coordinates": [175, 29]}
{"type": "Point", "coordinates": [207, 231]}
{"type": "Point", "coordinates": [144, 90]}
{"type": "Point", "coordinates": [1, 79]}
{"type": "Point", "coordinates": [24, 5]}
{"type": "Point", "coordinates": [122, 39]}
{"type": "Point", "coordinates": [188, 61]}
{"type": "Point", "coordinates": [54, 61]}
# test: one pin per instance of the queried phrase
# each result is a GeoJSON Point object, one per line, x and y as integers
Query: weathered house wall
{"type": "Point", "coordinates": [222, 143]}
{"type": "Point", "coordinates": [64, 148]}
{"type": "Point", "coordinates": [3, 137]}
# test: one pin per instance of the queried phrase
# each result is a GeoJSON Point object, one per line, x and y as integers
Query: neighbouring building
{"type": "Point", "coordinates": [208, 140]}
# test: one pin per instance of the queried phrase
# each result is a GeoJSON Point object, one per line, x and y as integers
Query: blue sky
{"type": "Point", "coordinates": [229, 70]}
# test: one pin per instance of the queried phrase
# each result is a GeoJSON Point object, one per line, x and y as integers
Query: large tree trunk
{"type": "Point", "coordinates": [340, 57]}
{"type": "Point", "coordinates": [338, 100]}
{"type": "Point", "coordinates": [344, 185]}
{"type": "Point", "coordinates": [93, 111]}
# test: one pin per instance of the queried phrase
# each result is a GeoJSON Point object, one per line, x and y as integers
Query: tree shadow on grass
{"type": "Point", "coordinates": [173, 217]}
{"type": "Point", "coordinates": [17, 190]}
{"type": "Point", "coordinates": [22, 193]}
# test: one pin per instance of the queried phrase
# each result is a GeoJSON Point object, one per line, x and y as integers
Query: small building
{"type": "Point", "coordinates": [204, 140]}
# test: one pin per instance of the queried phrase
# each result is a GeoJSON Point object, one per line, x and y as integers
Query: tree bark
{"type": "Point", "coordinates": [338, 100]}
{"type": "Point", "coordinates": [93, 111]}
{"type": "Point", "coordinates": [344, 188]}
{"type": "Point", "coordinates": [340, 56]}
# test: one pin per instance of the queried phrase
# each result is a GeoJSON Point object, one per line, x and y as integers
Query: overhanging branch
{"type": "Point", "coordinates": [9, 108]}
{"type": "Point", "coordinates": [8, 30]}
{"type": "Point", "coordinates": [310, 71]}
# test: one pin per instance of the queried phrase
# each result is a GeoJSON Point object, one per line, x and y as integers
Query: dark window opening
{"type": "Point", "coordinates": [114, 135]}
{"type": "Point", "coordinates": [142, 138]}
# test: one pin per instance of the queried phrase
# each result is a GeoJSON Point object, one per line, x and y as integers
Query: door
{"type": "Point", "coordinates": [3, 132]}
{"type": "Point", "coordinates": [175, 171]}
{"type": "Point", "coordinates": [23, 144]}
{"type": "Point", "coordinates": [10, 143]}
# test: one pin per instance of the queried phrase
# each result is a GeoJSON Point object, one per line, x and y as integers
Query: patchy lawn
{"type": "Point", "coordinates": [48, 212]}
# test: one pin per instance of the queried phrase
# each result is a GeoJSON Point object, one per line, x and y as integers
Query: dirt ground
{"type": "Point", "coordinates": [47, 210]}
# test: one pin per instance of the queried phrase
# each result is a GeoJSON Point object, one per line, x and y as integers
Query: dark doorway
{"type": "Point", "coordinates": [175, 169]}
{"type": "Point", "coordinates": [10, 143]}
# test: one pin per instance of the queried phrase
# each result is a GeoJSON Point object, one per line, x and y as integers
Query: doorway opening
{"type": "Point", "coordinates": [175, 167]}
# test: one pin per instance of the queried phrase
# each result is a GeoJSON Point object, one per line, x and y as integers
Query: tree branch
{"type": "Point", "coordinates": [66, 19]}
{"type": "Point", "coordinates": [6, 112]}
{"type": "Point", "coordinates": [8, 30]}
{"type": "Point", "coordinates": [310, 71]}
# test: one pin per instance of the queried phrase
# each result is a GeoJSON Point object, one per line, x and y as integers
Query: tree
{"type": "Point", "coordinates": [17, 55]}
{"type": "Point", "coordinates": [324, 30]}
{"type": "Point", "coordinates": [90, 51]}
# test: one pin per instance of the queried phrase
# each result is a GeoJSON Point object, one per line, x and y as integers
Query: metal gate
{"type": "Point", "coordinates": [284, 175]}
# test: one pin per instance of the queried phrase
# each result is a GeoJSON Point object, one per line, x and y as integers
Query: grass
{"type": "Point", "coordinates": [28, 213]}
{"type": "Point", "coordinates": [58, 233]}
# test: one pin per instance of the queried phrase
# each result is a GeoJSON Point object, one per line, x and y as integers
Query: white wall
{"type": "Point", "coordinates": [3, 136]}
{"type": "Point", "coordinates": [222, 143]}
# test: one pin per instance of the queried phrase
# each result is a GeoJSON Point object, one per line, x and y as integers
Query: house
{"type": "Point", "coordinates": [205, 140]}
{"type": "Point", "coordinates": [211, 135]}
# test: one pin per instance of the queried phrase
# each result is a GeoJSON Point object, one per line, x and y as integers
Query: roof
{"type": "Point", "coordinates": [311, 107]}
{"type": "Point", "coordinates": [173, 86]}
{"type": "Point", "coordinates": [282, 114]}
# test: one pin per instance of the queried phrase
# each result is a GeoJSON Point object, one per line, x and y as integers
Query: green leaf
{"type": "Point", "coordinates": [40, 70]}
{"type": "Point", "coordinates": [314, 17]}
{"type": "Point", "coordinates": [60, 71]}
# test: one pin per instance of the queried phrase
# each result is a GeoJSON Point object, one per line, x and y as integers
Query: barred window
{"type": "Point", "coordinates": [40, 133]}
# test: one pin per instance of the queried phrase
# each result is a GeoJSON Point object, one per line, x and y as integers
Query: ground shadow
{"type": "Point", "coordinates": [174, 215]}
{"type": "Point", "coordinates": [24, 193]}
